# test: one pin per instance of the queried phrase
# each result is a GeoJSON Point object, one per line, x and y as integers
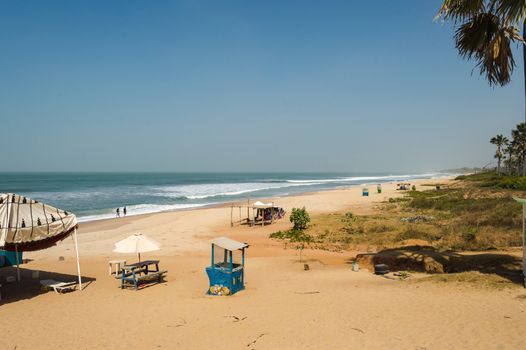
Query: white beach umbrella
{"type": "Point", "coordinates": [137, 243]}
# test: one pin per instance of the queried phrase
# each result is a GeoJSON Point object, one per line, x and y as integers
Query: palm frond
{"type": "Point", "coordinates": [498, 63]}
{"type": "Point", "coordinates": [459, 10]}
{"type": "Point", "coordinates": [513, 11]}
{"type": "Point", "coordinates": [487, 40]}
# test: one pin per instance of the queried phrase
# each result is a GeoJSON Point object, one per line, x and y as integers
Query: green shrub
{"type": "Point", "coordinates": [297, 236]}
{"type": "Point", "coordinates": [469, 236]}
{"type": "Point", "coordinates": [349, 218]}
{"type": "Point", "coordinates": [299, 218]}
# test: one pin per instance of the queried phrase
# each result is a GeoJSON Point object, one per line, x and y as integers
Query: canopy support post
{"type": "Point", "coordinates": [212, 256]}
{"type": "Point", "coordinates": [17, 263]}
{"type": "Point", "coordinates": [248, 210]}
{"type": "Point", "coordinates": [77, 254]}
{"type": "Point", "coordinates": [524, 244]}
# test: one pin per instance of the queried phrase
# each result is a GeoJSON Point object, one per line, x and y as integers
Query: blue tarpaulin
{"type": "Point", "coordinates": [8, 258]}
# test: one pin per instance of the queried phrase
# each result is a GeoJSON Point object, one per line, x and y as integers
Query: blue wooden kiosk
{"type": "Point", "coordinates": [226, 276]}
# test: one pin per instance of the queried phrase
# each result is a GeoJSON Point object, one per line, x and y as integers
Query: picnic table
{"type": "Point", "coordinates": [140, 273]}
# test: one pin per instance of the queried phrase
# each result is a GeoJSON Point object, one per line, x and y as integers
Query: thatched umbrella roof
{"type": "Point", "coordinates": [27, 225]}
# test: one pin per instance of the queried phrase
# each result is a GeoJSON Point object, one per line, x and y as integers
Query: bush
{"type": "Point", "coordinates": [299, 218]}
{"type": "Point", "coordinates": [494, 180]}
{"type": "Point", "coordinates": [298, 236]}
{"type": "Point", "coordinates": [349, 217]}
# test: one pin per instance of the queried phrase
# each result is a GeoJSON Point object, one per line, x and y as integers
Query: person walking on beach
{"type": "Point", "coordinates": [124, 210]}
{"type": "Point", "coordinates": [118, 211]}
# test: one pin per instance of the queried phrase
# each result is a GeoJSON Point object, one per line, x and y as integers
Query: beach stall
{"type": "Point", "coordinates": [262, 213]}
{"type": "Point", "coordinates": [28, 225]}
{"type": "Point", "coordinates": [226, 275]}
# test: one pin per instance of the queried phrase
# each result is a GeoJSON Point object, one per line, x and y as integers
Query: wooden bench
{"type": "Point", "coordinates": [130, 273]}
{"type": "Point", "coordinates": [134, 279]}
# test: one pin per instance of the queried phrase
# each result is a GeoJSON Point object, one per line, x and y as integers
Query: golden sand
{"type": "Point", "coordinates": [283, 306]}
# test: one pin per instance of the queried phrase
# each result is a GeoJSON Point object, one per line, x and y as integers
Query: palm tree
{"type": "Point", "coordinates": [485, 31]}
{"type": "Point", "coordinates": [510, 157]}
{"type": "Point", "coordinates": [519, 139]}
{"type": "Point", "coordinates": [499, 141]}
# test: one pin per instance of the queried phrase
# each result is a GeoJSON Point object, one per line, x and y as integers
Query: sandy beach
{"type": "Point", "coordinates": [283, 306]}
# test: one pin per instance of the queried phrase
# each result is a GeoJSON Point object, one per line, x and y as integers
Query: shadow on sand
{"type": "Point", "coordinates": [30, 287]}
{"type": "Point", "coordinates": [428, 259]}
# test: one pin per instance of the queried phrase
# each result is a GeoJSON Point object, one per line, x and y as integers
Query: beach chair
{"type": "Point", "coordinates": [58, 287]}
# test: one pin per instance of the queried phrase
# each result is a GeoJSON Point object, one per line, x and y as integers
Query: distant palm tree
{"type": "Point", "coordinates": [510, 157]}
{"type": "Point", "coordinates": [519, 140]}
{"type": "Point", "coordinates": [485, 31]}
{"type": "Point", "coordinates": [500, 141]}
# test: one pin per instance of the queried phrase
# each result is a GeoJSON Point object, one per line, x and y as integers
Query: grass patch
{"type": "Point", "coordinates": [465, 216]}
{"type": "Point", "coordinates": [471, 278]}
{"type": "Point", "coordinates": [494, 180]}
{"type": "Point", "coordinates": [415, 233]}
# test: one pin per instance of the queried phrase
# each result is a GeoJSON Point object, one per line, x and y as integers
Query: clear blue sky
{"type": "Point", "coordinates": [241, 86]}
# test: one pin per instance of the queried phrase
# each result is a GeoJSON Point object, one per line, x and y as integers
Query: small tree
{"type": "Point", "coordinates": [299, 218]}
{"type": "Point", "coordinates": [301, 238]}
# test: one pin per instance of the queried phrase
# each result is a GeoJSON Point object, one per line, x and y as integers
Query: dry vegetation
{"type": "Point", "coordinates": [465, 233]}
{"type": "Point", "coordinates": [472, 279]}
{"type": "Point", "coordinates": [461, 217]}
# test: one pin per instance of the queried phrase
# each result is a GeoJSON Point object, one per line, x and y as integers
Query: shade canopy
{"type": "Point", "coordinates": [28, 225]}
{"type": "Point", "coordinates": [228, 244]}
{"type": "Point", "coordinates": [261, 205]}
{"type": "Point", "coordinates": [137, 243]}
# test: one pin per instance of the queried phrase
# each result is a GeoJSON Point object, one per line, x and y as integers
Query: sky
{"type": "Point", "coordinates": [248, 85]}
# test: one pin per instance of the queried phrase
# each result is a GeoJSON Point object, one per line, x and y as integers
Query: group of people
{"type": "Point", "coordinates": [118, 211]}
{"type": "Point", "coordinates": [266, 213]}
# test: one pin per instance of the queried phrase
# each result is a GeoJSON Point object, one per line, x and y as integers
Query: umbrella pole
{"type": "Point", "coordinates": [139, 256]}
{"type": "Point", "coordinates": [77, 254]}
{"type": "Point", "coordinates": [17, 263]}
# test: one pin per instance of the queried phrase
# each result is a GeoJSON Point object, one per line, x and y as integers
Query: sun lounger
{"type": "Point", "coordinates": [58, 287]}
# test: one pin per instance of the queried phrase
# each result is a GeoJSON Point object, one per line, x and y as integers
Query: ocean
{"type": "Point", "coordinates": [94, 196]}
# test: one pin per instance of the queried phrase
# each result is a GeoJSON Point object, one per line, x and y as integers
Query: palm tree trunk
{"type": "Point", "coordinates": [524, 64]}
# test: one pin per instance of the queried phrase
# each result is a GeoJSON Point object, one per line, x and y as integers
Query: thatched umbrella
{"type": "Point", "coordinates": [28, 225]}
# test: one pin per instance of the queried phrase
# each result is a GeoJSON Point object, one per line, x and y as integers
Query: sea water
{"type": "Point", "coordinates": [93, 196]}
